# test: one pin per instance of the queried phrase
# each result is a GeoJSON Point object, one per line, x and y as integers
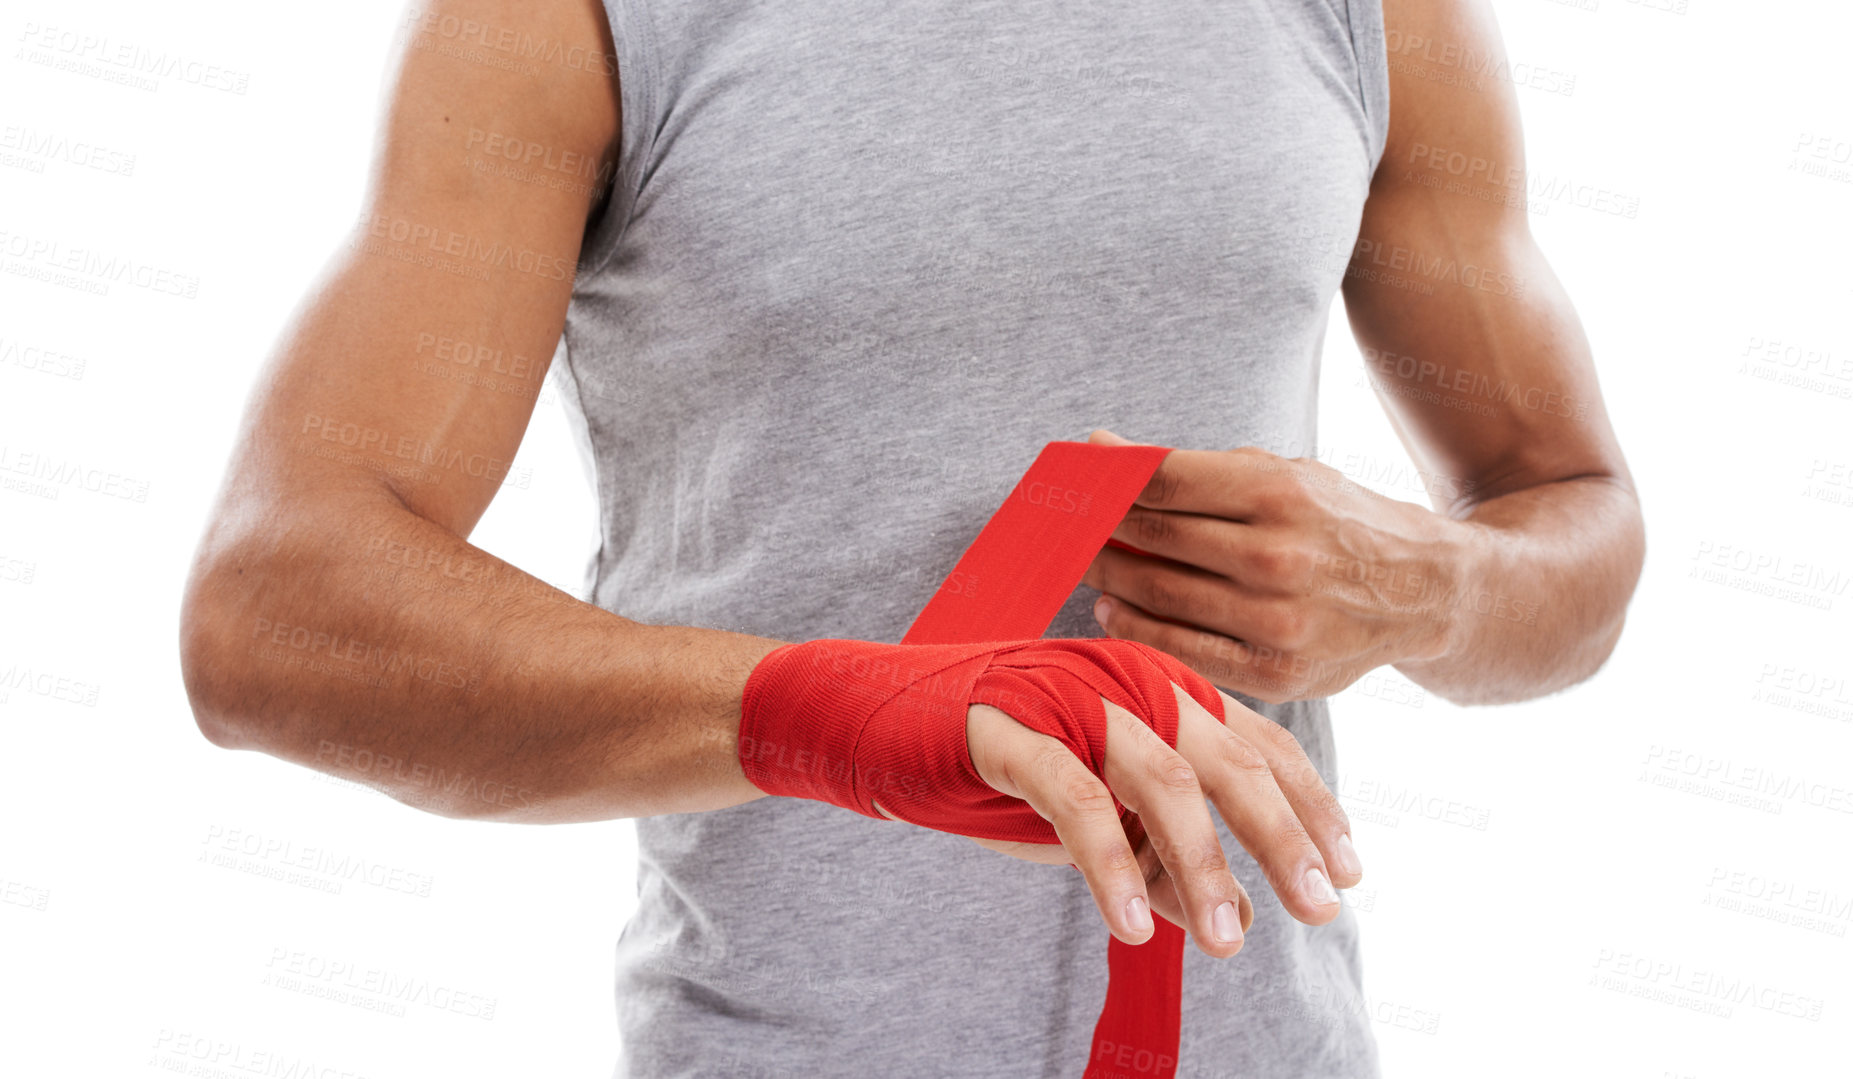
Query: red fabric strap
{"type": "Point", "coordinates": [861, 723]}
{"type": "Point", "coordinates": [1012, 581]}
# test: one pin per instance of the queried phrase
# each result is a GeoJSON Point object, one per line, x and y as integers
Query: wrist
{"type": "Point", "coordinates": [807, 709]}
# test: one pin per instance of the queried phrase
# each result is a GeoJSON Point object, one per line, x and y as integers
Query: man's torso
{"type": "Point", "coordinates": [861, 261]}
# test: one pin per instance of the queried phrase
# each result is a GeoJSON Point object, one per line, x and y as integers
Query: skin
{"type": "Point", "coordinates": [1283, 579]}
{"type": "Point", "coordinates": [337, 616]}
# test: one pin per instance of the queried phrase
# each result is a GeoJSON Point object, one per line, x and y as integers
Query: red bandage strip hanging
{"type": "Point", "coordinates": [1009, 585]}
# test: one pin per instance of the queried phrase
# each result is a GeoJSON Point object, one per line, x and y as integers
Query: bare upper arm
{"type": "Point", "coordinates": [1474, 348]}
{"type": "Point", "coordinates": [411, 369]}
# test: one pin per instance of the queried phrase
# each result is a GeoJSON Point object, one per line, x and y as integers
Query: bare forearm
{"type": "Point", "coordinates": [1544, 577]}
{"type": "Point", "coordinates": [367, 642]}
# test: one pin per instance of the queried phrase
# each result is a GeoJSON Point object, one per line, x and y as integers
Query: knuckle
{"type": "Point", "coordinates": [1117, 860]}
{"type": "Point", "coordinates": [1268, 561]}
{"type": "Point", "coordinates": [1165, 594]}
{"type": "Point", "coordinates": [1206, 861]}
{"type": "Point", "coordinates": [1325, 803]}
{"type": "Point", "coordinates": [1290, 833]}
{"type": "Point", "coordinates": [1280, 496]}
{"type": "Point", "coordinates": [1049, 761]}
{"type": "Point", "coordinates": [1288, 626]}
{"type": "Point", "coordinates": [1154, 659]}
{"type": "Point", "coordinates": [1152, 529]}
{"type": "Point", "coordinates": [1282, 740]}
{"type": "Point", "coordinates": [1082, 794]}
{"type": "Point", "coordinates": [1241, 756]}
{"type": "Point", "coordinates": [1293, 563]}
{"type": "Point", "coordinates": [1153, 869]}
{"type": "Point", "coordinates": [1309, 786]}
{"type": "Point", "coordinates": [1173, 774]}
{"type": "Point", "coordinates": [1286, 562]}
{"type": "Point", "coordinates": [1163, 488]}
{"type": "Point", "coordinates": [1218, 658]}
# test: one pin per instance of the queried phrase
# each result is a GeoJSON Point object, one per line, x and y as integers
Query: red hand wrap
{"type": "Point", "coordinates": [855, 722]}
{"type": "Point", "coordinates": [1006, 588]}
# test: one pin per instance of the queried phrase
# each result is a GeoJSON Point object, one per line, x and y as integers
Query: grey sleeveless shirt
{"type": "Point", "coordinates": [861, 260]}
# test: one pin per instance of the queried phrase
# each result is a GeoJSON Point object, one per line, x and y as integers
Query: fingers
{"type": "Point", "coordinates": [1257, 775]}
{"type": "Point", "coordinates": [1294, 838]}
{"type": "Point", "coordinates": [1175, 590]}
{"type": "Point", "coordinates": [1264, 672]}
{"type": "Point", "coordinates": [1233, 484]}
{"type": "Point", "coordinates": [1027, 764]}
{"type": "Point", "coordinates": [1313, 802]}
{"type": "Point", "coordinates": [1163, 893]}
{"type": "Point", "coordinates": [1279, 615]}
{"type": "Point", "coordinates": [1160, 785]}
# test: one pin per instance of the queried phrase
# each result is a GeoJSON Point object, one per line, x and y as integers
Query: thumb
{"type": "Point", "coordinates": [1100, 436]}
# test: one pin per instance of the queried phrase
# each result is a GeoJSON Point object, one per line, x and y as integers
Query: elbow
{"type": "Point", "coordinates": [209, 661]}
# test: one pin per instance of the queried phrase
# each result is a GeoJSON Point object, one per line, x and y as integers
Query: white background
{"type": "Point", "coordinates": [1645, 876]}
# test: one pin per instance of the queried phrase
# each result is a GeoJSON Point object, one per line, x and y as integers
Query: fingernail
{"type": "Point", "coordinates": [1102, 608]}
{"type": "Point", "coordinates": [1138, 915]}
{"type": "Point", "coordinates": [1226, 923]}
{"type": "Point", "coordinates": [1318, 888]}
{"type": "Point", "coordinates": [1348, 857]}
